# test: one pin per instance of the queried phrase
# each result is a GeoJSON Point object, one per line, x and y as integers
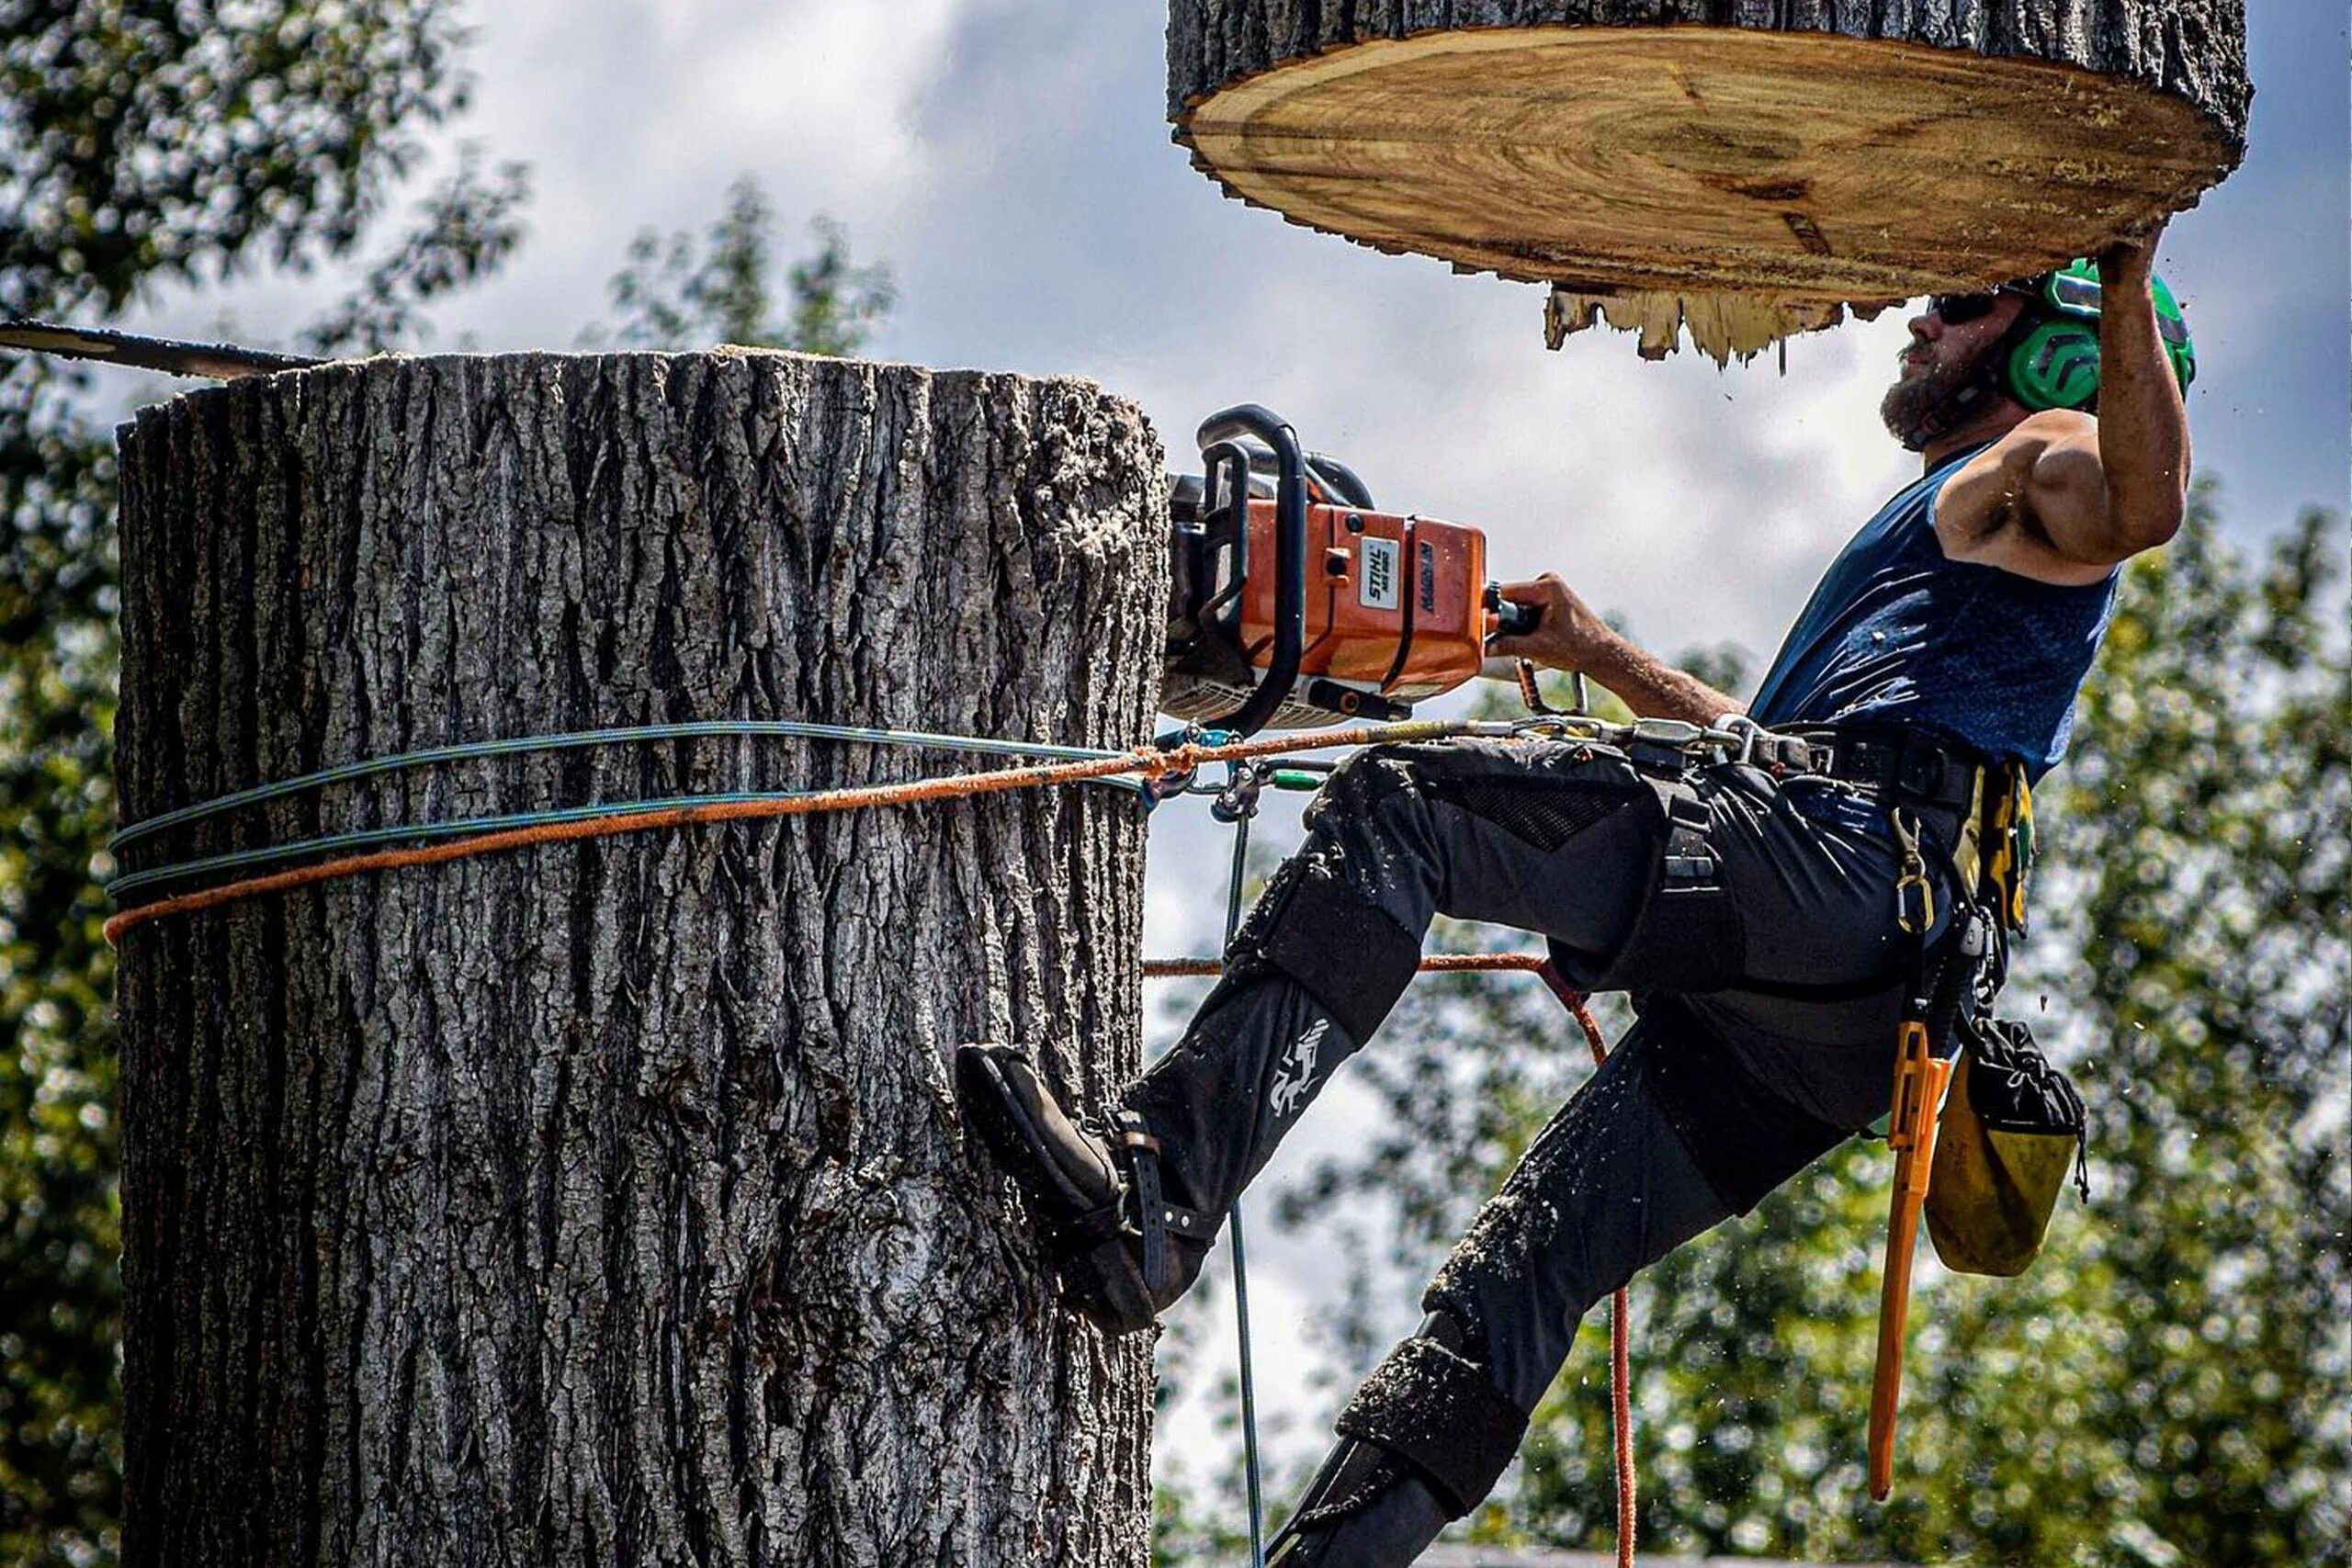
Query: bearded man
{"type": "Point", "coordinates": [1756, 912]}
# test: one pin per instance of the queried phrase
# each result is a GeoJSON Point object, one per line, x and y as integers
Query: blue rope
{"type": "Point", "coordinates": [763, 729]}
{"type": "Point", "coordinates": [270, 854]}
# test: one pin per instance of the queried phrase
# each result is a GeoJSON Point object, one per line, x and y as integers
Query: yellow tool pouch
{"type": "Point", "coordinates": [2004, 834]}
{"type": "Point", "coordinates": [2012, 1128]}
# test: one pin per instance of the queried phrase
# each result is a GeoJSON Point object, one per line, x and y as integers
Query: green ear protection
{"type": "Point", "coordinates": [2052, 354]}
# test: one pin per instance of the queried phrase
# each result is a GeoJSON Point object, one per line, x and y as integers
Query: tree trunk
{"type": "Point", "coordinates": [1744, 168]}
{"type": "Point", "coordinates": [606, 1202]}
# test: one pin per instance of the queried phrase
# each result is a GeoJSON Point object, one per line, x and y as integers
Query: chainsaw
{"type": "Point", "coordinates": [1298, 601]}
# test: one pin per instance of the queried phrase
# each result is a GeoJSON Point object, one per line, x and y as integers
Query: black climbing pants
{"type": "Point", "coordinates": [1714, 1097]}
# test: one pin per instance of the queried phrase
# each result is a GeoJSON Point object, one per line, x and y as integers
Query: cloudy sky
{"type": "Point", "coordinates": [1010, 161]}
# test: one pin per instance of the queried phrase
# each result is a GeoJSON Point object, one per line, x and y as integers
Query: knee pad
{"type": "Point", "coordinates": [1312, 926]}
{"type": "Point", "coordinates": [1431, 1406]}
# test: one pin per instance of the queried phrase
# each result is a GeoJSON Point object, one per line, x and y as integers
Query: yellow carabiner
{"type": "Point", "coordinates": [1915, 896]}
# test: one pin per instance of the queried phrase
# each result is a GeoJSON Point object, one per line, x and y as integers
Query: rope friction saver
{"type": "Point", "coordinates": [1122, 1249]}
{"type": "Point", "coordinates": [1296, 602]}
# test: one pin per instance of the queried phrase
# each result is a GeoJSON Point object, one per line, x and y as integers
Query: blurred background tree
{"type": "Point", "coordinates": [678, 294]}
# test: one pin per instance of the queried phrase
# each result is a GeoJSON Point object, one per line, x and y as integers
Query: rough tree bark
{"type": "Point", "coordinates": [605, 1203]}
{"type": "Point", "coordinates": [1744, 168]}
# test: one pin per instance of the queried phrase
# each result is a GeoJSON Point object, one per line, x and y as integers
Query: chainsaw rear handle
{"type": "Point", "coordinates": [1511, 618]}
{"type": "Point", "coordinates": [1340, 481]}
{"type": "Point", "coordinates": [1290, 556]}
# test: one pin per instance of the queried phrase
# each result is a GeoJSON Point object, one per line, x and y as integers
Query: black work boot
{"type": "Point", "coordinates": [1365, 1508]}
{"type": "Point", "coordinates": [1122, 1250]}
{"type": "Point", "coordinates": [1422, 1442]}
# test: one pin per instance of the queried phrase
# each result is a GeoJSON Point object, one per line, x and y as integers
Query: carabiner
{"type": "Point", "coordinates": [1915, 896]}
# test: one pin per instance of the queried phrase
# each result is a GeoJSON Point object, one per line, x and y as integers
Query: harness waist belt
{"type": "Point", "coordinates": [1906, 762]}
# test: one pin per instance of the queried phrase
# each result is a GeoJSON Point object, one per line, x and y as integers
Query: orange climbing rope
{"type": "Point", "coordinates": [1621, 1358]}
{"type": "Point", "coordinates": [1150, 762]}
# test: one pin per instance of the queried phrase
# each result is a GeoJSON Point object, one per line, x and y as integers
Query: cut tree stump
{"type": "Point", "coordinates": [1742, 169]}
{"type": "Point", "coordinates": [606, 1202]}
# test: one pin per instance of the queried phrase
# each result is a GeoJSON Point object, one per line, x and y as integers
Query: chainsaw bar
{"type": "Point", "coordinates": [213, 361]}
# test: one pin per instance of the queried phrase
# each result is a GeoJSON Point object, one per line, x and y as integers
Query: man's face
{"type": "Point", "coordinates": [1938, 362]}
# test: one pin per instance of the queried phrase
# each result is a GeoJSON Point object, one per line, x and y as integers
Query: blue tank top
{"type": "Point", "coordinates": [1898, 633]}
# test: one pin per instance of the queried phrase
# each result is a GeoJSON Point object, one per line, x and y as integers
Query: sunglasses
{"type": "Point", "coordinates": [1958, 309]}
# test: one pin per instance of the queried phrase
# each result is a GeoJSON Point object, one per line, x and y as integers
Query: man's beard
{"type": "Point", "coordinates": [1918, 409]}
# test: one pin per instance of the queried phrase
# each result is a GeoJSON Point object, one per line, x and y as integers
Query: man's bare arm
{"type": "Point", "coordinates": [1570, 637]}
{"type": "Point", "coordinates": [2103, 490]}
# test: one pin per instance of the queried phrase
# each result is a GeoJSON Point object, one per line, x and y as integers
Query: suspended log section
{"type": "Point", "coordinates": [1745, 176]}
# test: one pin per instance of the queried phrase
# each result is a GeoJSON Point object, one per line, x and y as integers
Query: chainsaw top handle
{"type": "Point", "coordinates": [1290, 556]}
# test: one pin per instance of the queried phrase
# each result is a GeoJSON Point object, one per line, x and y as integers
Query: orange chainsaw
{"type": "Point", "coordinates": [1296, 602]}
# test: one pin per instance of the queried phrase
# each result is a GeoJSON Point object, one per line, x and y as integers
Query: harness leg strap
{"type": "Point", "coordinates": [1687, 933]}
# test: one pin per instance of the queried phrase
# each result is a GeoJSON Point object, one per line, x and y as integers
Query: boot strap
{"type": "Point", "coordinates": [1153, 1216]}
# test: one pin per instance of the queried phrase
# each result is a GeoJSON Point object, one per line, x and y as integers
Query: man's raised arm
{"type": "Point", "coordinates": [2103, 491]}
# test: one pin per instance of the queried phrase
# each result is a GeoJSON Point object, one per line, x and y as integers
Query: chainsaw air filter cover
{"type": "Point", "coordinates": [1394, 612]}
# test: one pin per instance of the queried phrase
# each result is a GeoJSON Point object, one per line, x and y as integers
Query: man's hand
{"type": "Point", "coordinates": [1569, 635]}
{"type": "Point", "coordinates": [2131, 249]}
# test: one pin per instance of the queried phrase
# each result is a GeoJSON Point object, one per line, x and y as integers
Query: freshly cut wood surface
{"type": "Point", "coordinates": [1768, 176]}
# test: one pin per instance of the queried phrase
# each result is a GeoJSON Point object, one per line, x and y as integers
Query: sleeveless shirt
{"type": "Point", "coordinates": [1898, 634]}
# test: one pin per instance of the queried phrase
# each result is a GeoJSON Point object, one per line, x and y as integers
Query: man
{"type": "Point", "coordinates": [1754, 912]}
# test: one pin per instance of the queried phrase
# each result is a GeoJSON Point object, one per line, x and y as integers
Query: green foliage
{"type": "Point", "coordinates": [675, 294]}
{"type": "Point", "coordinates": [462, 232]}
{"type": "Point", "coordinates": [145, 140]}
{"type": "Point", "coordinates": [60, 1297]}
{"type": "Point", "coordinates": [2167, 1386]}
{"type": "Point", "coordinates": [152, 139]}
